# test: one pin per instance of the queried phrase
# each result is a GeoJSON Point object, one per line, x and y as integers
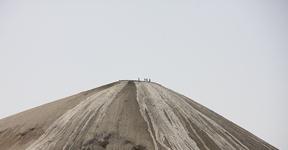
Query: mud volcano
{"type": "Point", "coordinates": [124, 115]}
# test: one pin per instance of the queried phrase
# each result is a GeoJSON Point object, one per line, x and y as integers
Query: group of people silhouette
{"type": "Point", "coordinates": [145, 79]}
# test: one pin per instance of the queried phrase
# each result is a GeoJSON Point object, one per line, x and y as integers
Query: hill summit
{"type": "Point", "coordinates": [125, 115]}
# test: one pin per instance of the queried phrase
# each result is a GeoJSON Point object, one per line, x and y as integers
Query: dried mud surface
{"type": "Point", "coordinates": [125, 115]}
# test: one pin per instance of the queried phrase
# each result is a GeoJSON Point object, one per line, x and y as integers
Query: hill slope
{"type": "Point", "coordinates": [125, 115]}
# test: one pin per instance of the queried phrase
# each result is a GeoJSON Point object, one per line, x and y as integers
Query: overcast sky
{"type": "Point", "coordinates": [231, 56]}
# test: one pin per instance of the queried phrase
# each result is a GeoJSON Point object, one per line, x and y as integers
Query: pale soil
{"type": "Point", "coordinates": [125, 115]}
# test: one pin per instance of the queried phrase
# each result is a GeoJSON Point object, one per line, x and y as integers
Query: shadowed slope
{"type": "Point", "coordinates": [125, 115]}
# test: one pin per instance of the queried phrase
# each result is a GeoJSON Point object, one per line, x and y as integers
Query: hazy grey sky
{"type": "Point", "coordinates": [231, 56]}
